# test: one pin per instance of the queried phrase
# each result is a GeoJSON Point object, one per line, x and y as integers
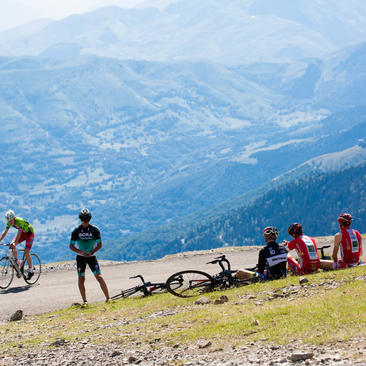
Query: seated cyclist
{"type": "Point", "coordinates": [307, 251]}
{"type": "Point", "coordinates": [272, 259]}
{"type": "Point", "coordinates": [25, 232]}
{"type": "Point", "coordinates": [348, 242]}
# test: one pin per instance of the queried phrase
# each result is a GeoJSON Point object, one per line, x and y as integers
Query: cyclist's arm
{"type": "Point", "coordinates": [77, 250]}
{"type": "Point", "coordinates": [261, 262]}
{"type": "Point", "coordinates": [97, 247]}
{"type": "Point", "coordinates": [337, 241]}
{"type": "Point", "coordinates": [4, 233]}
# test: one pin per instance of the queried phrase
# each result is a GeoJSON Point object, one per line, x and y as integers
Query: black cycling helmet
{"type": "Point", "coordinates": [295, 228]}
{"type": "Point", "coordinates": [85, 215]}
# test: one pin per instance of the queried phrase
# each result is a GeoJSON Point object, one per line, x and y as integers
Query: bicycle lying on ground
{"type": "Point", "coordinates": [8, 266]}
{"type": "Point", "coordinates": [147, 288]}
{"type": "Point", "coordinates": [322, 255]}
{"type": "Point", "coordinates": [191, 283]}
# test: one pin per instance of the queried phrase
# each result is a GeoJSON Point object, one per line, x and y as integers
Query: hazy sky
{"type": "Point", "coordinates": [17, 12]}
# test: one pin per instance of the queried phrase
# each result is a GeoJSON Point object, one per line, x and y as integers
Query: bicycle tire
{"type": "Point", "coordinates": [190, 283]}
{"type": "Point", "coordinates": [126, 293]}
{"type": "Point", "coordinates": [6, 273]}
{"type": "Point", "coordinates": [37, 270]}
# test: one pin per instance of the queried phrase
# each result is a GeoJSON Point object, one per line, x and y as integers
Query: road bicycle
{"type": "Point", "coordinates": [147, 288]}
{"type": "Point", "coordinates": [9, 267]}
{"type": "Point", "coordinates": [322, 255]}
{"type": "Point", "coordinates": [191, 283]}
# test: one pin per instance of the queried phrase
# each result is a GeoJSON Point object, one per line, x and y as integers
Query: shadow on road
{"type": "Point", "coordinates": [14, 290]}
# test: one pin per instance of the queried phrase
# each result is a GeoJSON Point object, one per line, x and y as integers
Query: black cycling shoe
{"type": "Point", "coordinates": [30, 275]}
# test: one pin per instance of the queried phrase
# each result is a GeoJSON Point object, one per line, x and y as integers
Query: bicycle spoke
{"type": "Point", "coordinates": [6, 273]}
{"type": "Point", "coordinates": [189, 283]}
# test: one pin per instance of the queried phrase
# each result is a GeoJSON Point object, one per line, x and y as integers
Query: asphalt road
{"type": "Point", "coordinates": [58, 289]}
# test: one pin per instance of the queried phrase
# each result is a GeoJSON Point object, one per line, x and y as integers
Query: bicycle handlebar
{"type": "Point", "coordinates": [219, 260]}
{"type": "Point", "coordinates": [139, 276]}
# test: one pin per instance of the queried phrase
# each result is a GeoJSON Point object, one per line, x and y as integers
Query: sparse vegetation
{"type": "Point", "coordinates": [281, 311]}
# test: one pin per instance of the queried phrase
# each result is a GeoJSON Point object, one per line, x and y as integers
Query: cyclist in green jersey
{"type": "Point", "coordinates": [88, 241]}
{"type": "Point", "coordinates": [25, 232]}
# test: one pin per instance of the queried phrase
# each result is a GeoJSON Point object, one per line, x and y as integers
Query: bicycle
{"type": "Point", "coordinates": [8, 266]}
{"type": "Point", "coordinates": [322, 255]}
{"type": "Point", "coordinates": [147, 289]}
{"type": "Point", "coordinates": [191, 283]}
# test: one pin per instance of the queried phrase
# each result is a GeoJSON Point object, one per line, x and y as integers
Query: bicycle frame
{"type": "Point", "coordinates": [12, 260]}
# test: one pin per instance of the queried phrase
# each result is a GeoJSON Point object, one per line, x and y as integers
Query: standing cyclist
{"type": "Point", "coordinates": [88, 240]}
{"type": "Point", "coordinates": [307, 251]}
{"type": "Point", "coordinates": [25, 232]}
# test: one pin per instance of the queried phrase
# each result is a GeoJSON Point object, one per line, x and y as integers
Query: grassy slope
{"type": "Point", "coordinates": [330, 307]}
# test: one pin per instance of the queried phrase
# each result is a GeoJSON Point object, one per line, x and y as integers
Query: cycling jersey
{"type": "Point", "coordinates": [273, 258]}
{"type": "Point", "coordinates": [86, 238]}
{"type": "Point", "coordinates": [20, 223]}
{"type": "Point", "coordinates": [350, 246]}
{"type": "Point", "coordinates": [308, 257]}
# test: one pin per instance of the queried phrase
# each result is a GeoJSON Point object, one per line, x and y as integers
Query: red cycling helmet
{"type": "Point", "coordinates": [270, 230]}
{"type": "Point", "coordinates": [345, 218]}
{"type": "Point", "coordinates": [294, 228]}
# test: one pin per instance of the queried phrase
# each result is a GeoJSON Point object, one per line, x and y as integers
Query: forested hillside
{"type": "Point", "coordinates": [314, 200]}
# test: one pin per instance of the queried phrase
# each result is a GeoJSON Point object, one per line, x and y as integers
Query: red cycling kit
{"type": "Point", "coordinates": [350, 248]}
{"type": "Point", "coordinates": [307, 251]}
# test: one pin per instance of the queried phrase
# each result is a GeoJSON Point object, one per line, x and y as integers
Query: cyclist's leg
{"type": "Point", "coordinates": [15, 252]}
{"type": "Point", "coordinates": [81, 265]}
{"type": "Point", "coordinates": [293, 265]}
{"type": "Point", "coordinates": [244, 274]}
{"type": "Point", "coordinates": [28, 246]}
{"type": "Point", "coordinates": [94, 266]}
{"type": "Point", "coordinates": [327, 264]}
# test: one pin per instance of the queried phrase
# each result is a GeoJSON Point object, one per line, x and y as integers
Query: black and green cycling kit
{"type": "Point", "coordinates": [86, 239]}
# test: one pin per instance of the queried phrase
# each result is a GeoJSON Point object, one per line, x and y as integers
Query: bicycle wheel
{"type": "Point", "coordinates": [6, 272]}
{"type": "Point", "coordinates": [190, 283]}
{"type": "Point", "coordinates": [37, 269]}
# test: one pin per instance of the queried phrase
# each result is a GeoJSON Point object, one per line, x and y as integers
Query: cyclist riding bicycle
{"type": "Point", "coordinates": [272, 259]}
{"type": "Point", "coordinates": [88, 240]}
{"type": "Point", "coordinates": [25, 232]}
{"type": "Point", "coordinates": [349, 242]}
{"type": "Point", "coordinates": [307, 251]}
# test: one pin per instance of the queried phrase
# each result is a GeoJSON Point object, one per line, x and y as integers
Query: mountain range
{"type": "Point", "coordinates": [160, 120]}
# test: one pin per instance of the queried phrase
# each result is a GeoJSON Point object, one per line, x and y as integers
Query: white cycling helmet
{"type": "Point", "coordinates": [10, 215]}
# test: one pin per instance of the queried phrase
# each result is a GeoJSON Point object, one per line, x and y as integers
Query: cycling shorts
{"type": "Point", "coordinates": [295, 267]}
{"type": "Point", "coordinates": [28, 237]}
{"type": "Point", "coordinates": [340, 264]}
{"type": "Point", "coordinates": [92, 262]}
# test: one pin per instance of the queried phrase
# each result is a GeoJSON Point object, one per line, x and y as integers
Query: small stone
{"type": "Point", "coordinates": [115, 353]}
{"type": "Point", "coordinates": [132, 359]}
{"type": "Point", "coordinates": [301, 356]}
{"type": "Point", "coordinates": [203, 301]}
{"type": "Point", "coordinates": [255, 322]}
{"type": "Point", "coordinates": [221, 300]}
{"type": "Point", "coordinates": [303, 280]}
{"type": "Point", "coordinates": [18, 315]}
{"type": "Point", "coordinates": [59, 342]}
{"type": "Point", "coordinates": [204, 344]}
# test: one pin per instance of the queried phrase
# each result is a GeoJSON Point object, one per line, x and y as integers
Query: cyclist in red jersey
{"type": "Point", "coordinates": [348, 242]}
{"type": "Point", "coordinates": [307, 251]}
